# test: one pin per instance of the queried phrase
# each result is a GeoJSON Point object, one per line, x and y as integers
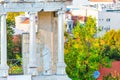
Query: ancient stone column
{"type": "Point", "coordinates": [32, 46]}
{"type": "Point", "coordinates": [3, 66]}
{"type": "Point", "coordinates": [61, 65]}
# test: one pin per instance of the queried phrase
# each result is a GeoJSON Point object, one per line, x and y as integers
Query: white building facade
{"type": "Point", "coordinates": [105, 19]}
{"type": "Point", "coordinates": [104, 4]}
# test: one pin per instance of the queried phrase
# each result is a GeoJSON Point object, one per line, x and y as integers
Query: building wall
{"type": "Point", "coordinates": [102, 5]}
{"type": "Point", "coordinates": [109, 19]}
{"type": "Point", "coordinates": [22, 25]}
{"type": "Point", "coordinates": [105, 20]}
{"type": "Point", "coordinates": [19, 20]}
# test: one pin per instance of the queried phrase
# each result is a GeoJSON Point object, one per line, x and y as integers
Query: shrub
{"type": "Point", "coordinates": [84, 52]}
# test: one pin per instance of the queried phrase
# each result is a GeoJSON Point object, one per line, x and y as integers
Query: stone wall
{"type": "Point", "coordinates": [25, 51]}
{"type": "Point", "coordinates": [46, 36]}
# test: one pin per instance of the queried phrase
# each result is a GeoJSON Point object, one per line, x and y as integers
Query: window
{"type": "Point", "coordinates": [108, 19]}
{"type": "Point", "coordinates": [107, 28]}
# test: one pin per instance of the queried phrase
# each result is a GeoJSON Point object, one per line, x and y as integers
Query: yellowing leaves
{"type": "Point", "coordinates": [76, 45]}
{"type": "Point", "coordinates": [112, 38]}
{"type": "Point", "coordinates": [102, 42]}
{"type": "Point", "coordinates": [11, 15]}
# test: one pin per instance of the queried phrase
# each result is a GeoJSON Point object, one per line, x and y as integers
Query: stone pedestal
{"type": "Point", "coordinates": [3, 72]}
{"type": "Point", "coordinates": [52, 77]}
{"type": "Point", "coordinates": [62, 77]}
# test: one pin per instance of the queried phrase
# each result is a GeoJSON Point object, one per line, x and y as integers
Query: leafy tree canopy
{"type": "Point", "coordinates": [10, 43]}
{"type": "Point", "coordinates": [84, 52]}
{"type": "Point", "coordinates": [112, 40]}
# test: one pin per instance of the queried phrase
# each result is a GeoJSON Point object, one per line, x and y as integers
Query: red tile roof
{"type": "Point", "coordinates": [26, 21]}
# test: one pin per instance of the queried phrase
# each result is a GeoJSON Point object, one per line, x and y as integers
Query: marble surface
{"type": "Point", "coordinates": [19, 77]}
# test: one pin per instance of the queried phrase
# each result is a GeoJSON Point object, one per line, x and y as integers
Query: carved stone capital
{"type": "Point", "coordinates": [60, 12]}
{"type": "Point", "coordinates": [32, 13]}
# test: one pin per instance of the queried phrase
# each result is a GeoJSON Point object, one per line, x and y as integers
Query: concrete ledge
{"type": "Point", "coordinates": [52, 77]}
{"type": "Point", "coordinates": [3, 78]}
{"type": "Point", "coordinates": [19, 77]}
{"type": "Point", "coordinates": [39, 77]}
{"type": "Point", "coordinates": [31, 7]}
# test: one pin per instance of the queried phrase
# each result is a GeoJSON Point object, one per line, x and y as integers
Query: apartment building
{"type": "Point", "coordinates": [105, 4]}
{"type": "Point", "coordinates": [105, 20]}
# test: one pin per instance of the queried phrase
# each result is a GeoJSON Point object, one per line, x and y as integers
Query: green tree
{"type": "Point", "coordinates": [112, 40]}
{"type": "Point", "coordinates": [10, 24]}
{"type": "Point", "coordinates": [83, 52]}
{"type": "Point", "coordinates": [10, 43]}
